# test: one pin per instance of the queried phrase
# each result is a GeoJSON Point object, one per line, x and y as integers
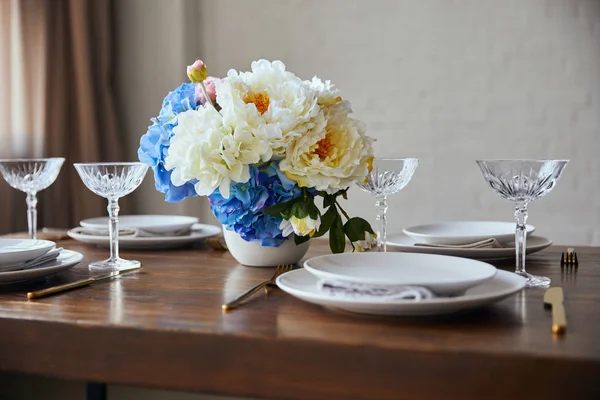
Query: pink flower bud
{"type": "Point", "coordinates": [197, 72]}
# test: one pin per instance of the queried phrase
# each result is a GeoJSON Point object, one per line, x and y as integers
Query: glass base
{"type": "Point", "coordinates": [109, 265]}
{"type": "Point", "coordinates": [535, 281]}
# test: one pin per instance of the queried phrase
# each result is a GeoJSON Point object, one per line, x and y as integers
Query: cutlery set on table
{"type": "Point", "coordinates": [28, 259]}
{"type": "Point", "coordinates": [415, 282]}
{"type": "Point", "coordinates": [431, 269]}
{"type": "Point", "coordinates": [436, 268]}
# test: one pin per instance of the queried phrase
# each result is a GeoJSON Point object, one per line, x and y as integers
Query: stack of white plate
{"type": "Point", "coordinates": [457, 283]}
{"type": "Point", "coordinates": [145, 231]}
{"type": "Point", "coordinates": [453, 239]}
{"type": "Point", "coordinates": [25, 259]}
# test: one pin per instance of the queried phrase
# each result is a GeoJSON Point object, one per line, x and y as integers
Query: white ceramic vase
{"type": "Point", "coordinates": [252, 254]}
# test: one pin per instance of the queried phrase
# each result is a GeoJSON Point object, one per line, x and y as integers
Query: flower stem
{"type": "Point", "coordinates": [341, 209]}
{"type": "Point", "coordinates": [206, 94]}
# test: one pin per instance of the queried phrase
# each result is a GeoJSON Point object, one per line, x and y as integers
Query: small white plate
{"type": "Point", "coordinates": [67, 259]}
{"type": "Point", "coordinates": [443, 275]}
{"type": "Point", "coordinates": [404, 243]}
{"type": "Point", "coordinates": [14, 251]}
{"type": "Point", "coordinates": [463, 232]}
{"type": "Point", "coordinates": [149, 223]}
{"type": "Point", "coordinates": [303, 285]}
{"type": "Point", "coordinates": [198, 233]}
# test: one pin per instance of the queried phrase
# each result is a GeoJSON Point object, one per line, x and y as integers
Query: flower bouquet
{"type": "Point", "coordinates": [263, 145]}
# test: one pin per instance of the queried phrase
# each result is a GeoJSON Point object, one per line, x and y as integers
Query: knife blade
{"type": "Point", "coordinates": [554, 297]}
{"type": "Point", "coordinates": [77, 284]}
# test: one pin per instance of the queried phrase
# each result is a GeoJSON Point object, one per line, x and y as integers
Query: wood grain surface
{"type": "Point", "coordinates": [164, 328]}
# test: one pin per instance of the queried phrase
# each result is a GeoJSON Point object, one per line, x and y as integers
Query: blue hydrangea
{"type": "Point", "coordinates": [242, 211]}
{"type": "Point", "coordinates": [155, 143]}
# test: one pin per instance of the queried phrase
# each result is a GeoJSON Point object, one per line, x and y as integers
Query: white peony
{"type": "Point", "coordinates": [206, 150]}
{"type": "Point", "coordinates": [272, 103]}
{"type": "Point", "coordinates": [331, 159]}
{"type": "Point", "coordinates": [327, 93]}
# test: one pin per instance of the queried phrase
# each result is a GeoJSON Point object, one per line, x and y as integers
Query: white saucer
{"type": "Point", "coordinates": [199, 232]}
{"type": "Point", "coordinates": [461, 232]}
{"type": "Point", "coordinates": [404, 243]}
{"type": "Point", "coordinates": [443, 275]}
{"type": "Point", "coordinates": [303, 285]}
{"type": "Point", "coordinates": [13, 251]}
{"type": "Point", "coordinates": [149, 223]}
{"type": "Point", "coordinates": [67, 259]}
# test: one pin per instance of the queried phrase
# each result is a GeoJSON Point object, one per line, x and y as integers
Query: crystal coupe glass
{"type": "Point", "coordinates": [523, 181]}
{"type": "Point", "coordinates": [388, 176]}
{"type": "Point", "coordinates": [31, 176]}
{"type": "Point", "coordinates": [113, 181]}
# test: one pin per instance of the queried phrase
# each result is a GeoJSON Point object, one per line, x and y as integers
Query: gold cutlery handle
{"type": "Point", "coordinates": [559, 319]}
{"type": "Point", "coordinates": [235, 302]}
{"type": "Point", "coordinates": [59, 288]}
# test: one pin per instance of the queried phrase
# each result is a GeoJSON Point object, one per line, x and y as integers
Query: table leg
{"type": "Point", "coordinates": [95, 391]}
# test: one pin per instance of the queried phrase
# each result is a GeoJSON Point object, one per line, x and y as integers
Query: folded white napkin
{"type": "Point", "coordinates": [132, 232]}
{"type": "Point", "coordinates": [482, 244]}
{"type": "Point", "coordinates": [353, 290]}
{"type": "Point", "coordinates": [35, 263]}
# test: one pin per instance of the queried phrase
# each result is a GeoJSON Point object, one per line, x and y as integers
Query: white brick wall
{"type": "Point", "coordinates": [445, 81]}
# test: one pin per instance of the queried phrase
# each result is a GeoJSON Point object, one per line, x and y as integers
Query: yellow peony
{"type": "Point", "coordinates": [331, 159]}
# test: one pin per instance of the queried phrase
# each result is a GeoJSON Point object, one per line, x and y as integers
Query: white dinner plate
{"type": "Point", "coordinates": [150, 223]}
{"type": "Point", "coordinates": [303, 285]}
{"type": "Point", "coordinates": [462, 232]}
{"type": "Point", "coordinates": [198, 233]}
{"type": "Point", "coordinates": [404, 243]}
{"type": "Point", "coordinates": [443, 275]}
{"type": "Point", "coordinates": [14, 251]}
{"type": "Point", "coordinates": [67, 259]}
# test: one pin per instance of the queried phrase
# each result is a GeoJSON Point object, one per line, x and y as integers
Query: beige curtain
{"type": "Point", "coordinates": [62, 51]}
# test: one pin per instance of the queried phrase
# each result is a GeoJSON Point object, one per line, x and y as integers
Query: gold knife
{"type": "Point", "coordinates": [554, 298]}
{"type": "Point", "coordinates": [77, 284]}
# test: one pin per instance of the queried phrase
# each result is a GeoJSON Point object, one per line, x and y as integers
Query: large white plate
{"type": "Point", "coordinates": [303, 285]}
{"type": "Point", "coordinates": [441, 274]}
{"type": "Point", "coordinates": [149, 223]}
{"type": "Point", "coordinates": [404, 243]}
{"type": "Point", "coordinates": [67, 259]}
{"type": "Point", "coordinates": [462, 232]}
{"type": "Point", "coordinates": [199, 232]}
{"type": "Point", "coordinates": [13, 251]}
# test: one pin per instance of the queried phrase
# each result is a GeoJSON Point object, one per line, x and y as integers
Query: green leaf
{"type": "Point", "coordinates": [326, 221]}
{"type": "Point", "coordinates": [299, 209]}
{"type": "Point", "coordinates": [328, 200]}
{"type": "Point", "coordinates": [356, 227]}
{"type": "Point", "coordinates": [313, 210]}
{"type": "Point", "coordinates": [337, 238]}
{"type": "Point", "coordinates": [277, 210]}
{"type": "Point", "coordinates": [301, 239]}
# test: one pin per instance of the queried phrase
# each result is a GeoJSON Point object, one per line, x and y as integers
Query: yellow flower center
{"type": "Point", "coordinates": [260, 100]}
{"type": "Point", "coordinates": [324, 147]}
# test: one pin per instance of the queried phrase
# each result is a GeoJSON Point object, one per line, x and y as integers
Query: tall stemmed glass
{"type": "Point", "coordinates": [388, 176]}
{"type": "Point", "coordinates": [113, 181]}
{"type": "Point", "coordinates": [523, 181]}
{"type": "Point", "coordinates": [31, 176]}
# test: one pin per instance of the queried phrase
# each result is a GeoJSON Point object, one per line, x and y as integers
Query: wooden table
{"type": "Point", "coordinates": [164, 328]}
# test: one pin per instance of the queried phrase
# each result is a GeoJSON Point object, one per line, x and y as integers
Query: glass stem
{"type": "Point", "coordinates": [521, 237]}
{"type": "Point", "coordinates": [32, 214]}
{"type": "Point", "coordinates": [113, 214]}
{"type": "Point", "coordinates": [381, 206]}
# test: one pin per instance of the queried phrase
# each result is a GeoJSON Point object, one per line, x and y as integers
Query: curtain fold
{"type": "Point", "coordinates": [68, 57]}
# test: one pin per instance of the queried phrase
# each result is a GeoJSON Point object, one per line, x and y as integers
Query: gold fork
{"type": "Point", "coordinates": [271, 281]}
